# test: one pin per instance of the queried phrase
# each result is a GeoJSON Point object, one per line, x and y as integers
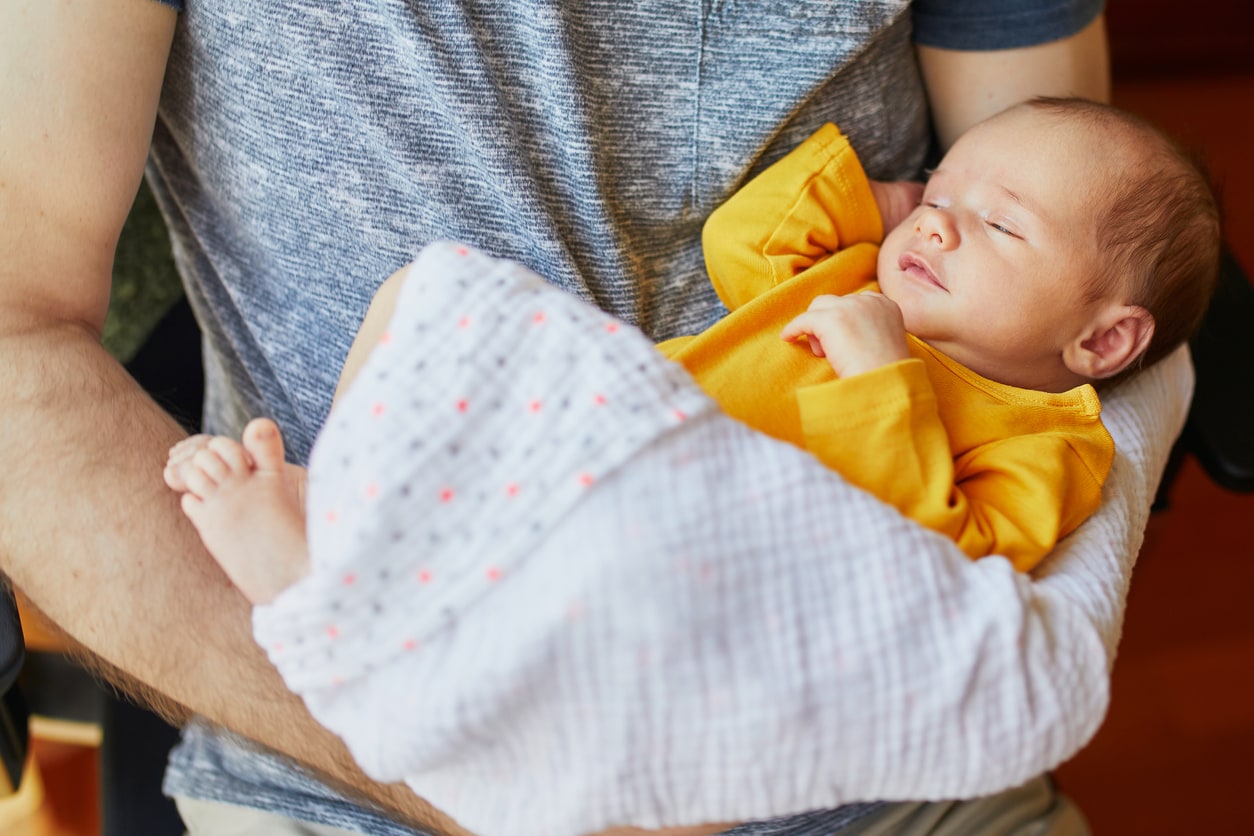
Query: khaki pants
{"type": "Point", "coordinates": [1034, 809]}
{"type": "Point", "coordinates": [211, 818]}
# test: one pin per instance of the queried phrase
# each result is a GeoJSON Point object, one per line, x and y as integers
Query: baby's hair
{"type": "Point", "coordinates": [1159, 236]}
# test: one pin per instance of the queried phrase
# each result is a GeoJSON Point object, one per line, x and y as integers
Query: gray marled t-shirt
{"type": "Point", "coordinates": [305, 150]}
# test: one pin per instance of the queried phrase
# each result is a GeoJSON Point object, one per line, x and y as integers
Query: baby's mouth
{"type": "Point", "coordinates": [916, 268]}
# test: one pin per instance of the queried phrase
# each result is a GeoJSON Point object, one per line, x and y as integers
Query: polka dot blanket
{"type": "Point", "coordinates": [553, 588]}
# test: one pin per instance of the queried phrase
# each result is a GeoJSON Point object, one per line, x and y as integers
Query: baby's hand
{"type": "Point", "coordinates": [896, 200]}
{"type": "Point", "coordinates": [856, 333]}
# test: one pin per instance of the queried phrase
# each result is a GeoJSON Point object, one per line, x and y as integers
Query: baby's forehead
{"type": "Point", "coordinates": [1101, 136]}
{"type": "Point", "coordinates": [1069, 162]}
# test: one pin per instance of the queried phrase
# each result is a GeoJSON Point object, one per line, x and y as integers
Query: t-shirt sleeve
{"type": "Point", "coordinates": [999, 24]}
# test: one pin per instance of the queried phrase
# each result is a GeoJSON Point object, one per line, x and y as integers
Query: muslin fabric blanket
{"type": "Point", "coordinates": [553, 588]}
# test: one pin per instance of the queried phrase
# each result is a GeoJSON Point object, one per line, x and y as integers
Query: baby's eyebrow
{"type": "Point", "coordinates": [1027, 204]}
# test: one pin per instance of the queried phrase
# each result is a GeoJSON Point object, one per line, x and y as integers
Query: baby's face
{"type": "Point", "coordinates": [993, 265]}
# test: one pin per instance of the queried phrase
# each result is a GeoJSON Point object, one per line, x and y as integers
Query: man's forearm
{"type": "Point", "coordinates": [89, 532]}
{"type": "Point", "coordinates": [87, 529]}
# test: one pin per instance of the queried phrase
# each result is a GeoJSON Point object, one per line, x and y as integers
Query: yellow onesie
{"type": "Point", "coordinates": [999, 469]}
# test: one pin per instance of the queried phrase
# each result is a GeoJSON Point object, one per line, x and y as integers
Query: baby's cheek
{"type": "Point", "coordinates": [890, 251]}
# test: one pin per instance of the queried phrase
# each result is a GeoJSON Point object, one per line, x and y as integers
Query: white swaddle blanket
{"type": "Point", "coordinates": [554, 588]}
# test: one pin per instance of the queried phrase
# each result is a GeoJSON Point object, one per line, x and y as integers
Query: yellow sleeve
{"type": "Point", "coordinates": [1015, 497]}
{"type": "Point", "coordinates": [815, 201]}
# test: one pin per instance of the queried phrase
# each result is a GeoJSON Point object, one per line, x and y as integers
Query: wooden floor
{"type": "Point", "coordinates": [1176, 754]}
{"type": "Point", "coordinates": [58, 796]}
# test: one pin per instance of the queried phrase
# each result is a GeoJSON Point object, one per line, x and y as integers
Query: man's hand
{"type": "Point", "coordinates": [856, 333]}
{"type": "Point", "coordinates": [896, 200]}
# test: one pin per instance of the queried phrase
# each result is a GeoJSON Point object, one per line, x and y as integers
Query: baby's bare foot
{"type": "Point", "coordinates": [180, 457]}
{"type": "Point", "coordinates": [246, 506]}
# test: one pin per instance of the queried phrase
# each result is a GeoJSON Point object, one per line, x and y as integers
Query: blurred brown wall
{"type": "Point", "coordinates": [1156, 37]}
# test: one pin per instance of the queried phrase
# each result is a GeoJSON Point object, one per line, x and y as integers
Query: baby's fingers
{"type": "Point", "coordinates": [803, 326]}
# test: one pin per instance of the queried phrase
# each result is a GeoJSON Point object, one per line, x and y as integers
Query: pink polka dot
{"type": "Point", "coordinates": [378, 409]}
{"type": "Point", "coordinates": [511, 490]}
{"type": "Point", "coordinates": [333, 632]}
{"type": "Point", "coordinates": [586, 479]}
{"type": "Point", "coordinates": [385, 338]}
{"type": "Point", "coordinates": [680, 415]}
{"type": "Point", "coordinates": [409, 644]}
{"type": "Point", "coordinates": [372, 491]}
{"type": "Point", "coordinates": [599, 399]}
{"type": "Point", "coordinates": [539, 318]}
{"type": "Point", "coordinates": [424, 576]}
{"type": "Point", "coordinates": [462, 251]}
{"type": "Point", "coordinates": [332, 517]}
{"type": "Point", "coordinates": [447, 494]}
{"type": "Point", "coordinates": [463, 323]}
{"type": "Point", "coordinates": [611, 327]}
{"type": "Point", "coordinates": [350, 579]}
{"type": "Point", "coordinates": [463, 405]}
{"type": "Point", "coordinates": [535, 406]}
{"type": "Point", "coordinates": [493, 574]}
{"type": "Point", "coordinates": [277, 647]}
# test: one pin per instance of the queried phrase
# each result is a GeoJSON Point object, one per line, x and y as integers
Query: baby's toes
{"type": "Point", "coordinates": [180, 457]}
{"type": "Point", "coordinates": [264, 443]}
{"type": "Point", "coordinates": [176, 470]}
{"type": "Point", "coordinates": [208, 462]}
{"type": "Point", "coordinates": [188, 447]}
{"type": "Point", "coordinates": [199, 482]}
{"type": "Point", "coordinates": [232, 455]}
{"type": "Point", "coordinates": [173, 476]}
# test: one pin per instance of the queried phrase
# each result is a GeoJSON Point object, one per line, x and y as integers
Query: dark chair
{"type": "Point", "coordinates": [13, 714]}
{"type": "Point", "coordinates": [1219, 431]}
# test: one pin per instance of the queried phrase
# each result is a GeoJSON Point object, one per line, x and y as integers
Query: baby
{"type": "Point", "coordinates": [494, 439]}
{"type": "Point", "coordinates": [1057, 245]}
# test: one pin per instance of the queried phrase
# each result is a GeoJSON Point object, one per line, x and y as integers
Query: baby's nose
{"type": "Point", "coordinates": [937, 227]}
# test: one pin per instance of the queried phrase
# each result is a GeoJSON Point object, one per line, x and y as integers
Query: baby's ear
{"type": "Point", "coordinates": [1114, 340]}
